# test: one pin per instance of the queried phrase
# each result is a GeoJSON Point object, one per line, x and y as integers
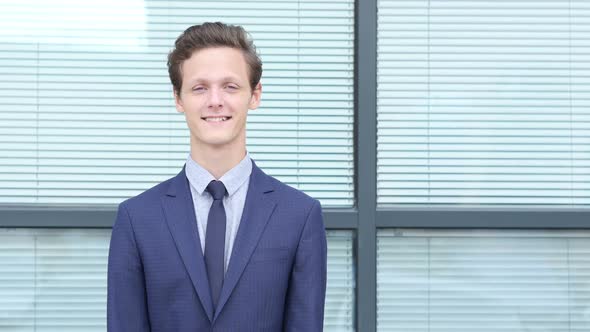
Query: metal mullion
{"type": "Point", "coordinates": [103, 217]}
{"type": "Point", "coordinates": [484, 217]}
{"type": "Point", "coordinates": [340, 218]}
{"type": "Point", "coordinates": [57, 217]}
{"type": "Point", "coordinates": [366, 162]}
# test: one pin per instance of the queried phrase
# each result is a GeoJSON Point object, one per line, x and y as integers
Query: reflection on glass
{"type": "Point", "coordinates": [120, 23]}
{"type": "Point", "coordinates": [483, 280]}
{"type": "Point", "coordinates": [56, 279]}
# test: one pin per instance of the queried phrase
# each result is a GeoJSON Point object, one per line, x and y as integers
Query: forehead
{"type": "Point", "coordinates": [215, 63]}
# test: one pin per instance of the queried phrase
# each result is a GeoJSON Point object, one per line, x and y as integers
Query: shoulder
{"type": "Point", "coordinates": [286, 191]}
{"type": "Point", "coordinates": [293, 203]}
{"type": "Point", "coordinates": [282, 191]}
{"type": "Point", "coordinates": [296, 210]}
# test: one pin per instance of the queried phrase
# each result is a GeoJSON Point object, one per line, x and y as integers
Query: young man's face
{"type": "Point", "coordinates": [215, 97]}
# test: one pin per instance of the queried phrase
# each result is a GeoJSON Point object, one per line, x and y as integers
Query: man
{"type": "Point", "coordinates": [221, 246]}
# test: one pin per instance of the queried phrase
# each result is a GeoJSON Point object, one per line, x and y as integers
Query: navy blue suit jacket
{"type": "Point", "coordinates": [275, 281]}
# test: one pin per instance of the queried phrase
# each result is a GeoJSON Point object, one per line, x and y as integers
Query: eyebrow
{"type": "Point", "coordinates": [223, 79]}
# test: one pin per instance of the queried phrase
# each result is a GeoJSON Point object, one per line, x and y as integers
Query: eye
{"type": "Point", "coordinates": [198, 88]}
{"type": "Point", "coordinates": [231, 87]}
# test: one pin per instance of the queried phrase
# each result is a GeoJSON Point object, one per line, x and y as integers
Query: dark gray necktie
{"type": "Point", "coordinates": [215, 240]}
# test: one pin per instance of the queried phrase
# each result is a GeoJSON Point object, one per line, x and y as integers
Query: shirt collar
{"type": "Point", "coordinates": [199, 177]}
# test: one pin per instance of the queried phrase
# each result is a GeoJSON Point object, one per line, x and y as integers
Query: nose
{"type": "Point", "coordinates": [215, 98]}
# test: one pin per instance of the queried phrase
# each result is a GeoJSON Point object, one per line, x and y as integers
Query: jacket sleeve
{"type": "Point", "coordinates": [126, 299]}
{"type": "Point", "coordinates": [304, 310]}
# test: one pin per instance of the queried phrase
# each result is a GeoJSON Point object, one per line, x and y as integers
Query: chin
{"type": "Point", "coordinates": [217, 142]}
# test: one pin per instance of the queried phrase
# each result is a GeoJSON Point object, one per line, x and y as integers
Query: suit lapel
{"type": "Point", "coordinates": [258, 207]}
{"type": "Point", "coordinates": [180, 216]}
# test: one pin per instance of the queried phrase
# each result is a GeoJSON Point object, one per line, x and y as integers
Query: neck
{"type": "Point", "coordinates": [217, 161]}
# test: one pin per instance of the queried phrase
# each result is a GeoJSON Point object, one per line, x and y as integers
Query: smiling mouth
{"type": "Point", "coordinates": [216, 118]}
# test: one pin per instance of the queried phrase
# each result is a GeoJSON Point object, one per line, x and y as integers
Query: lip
{"type": "Point", "coordinates": [216, 116]}
{"type": "Point", "coordinates": [228, 118]}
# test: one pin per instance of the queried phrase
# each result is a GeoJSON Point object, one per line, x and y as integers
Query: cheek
{"type": "Point", "coordinates": [191, 117]}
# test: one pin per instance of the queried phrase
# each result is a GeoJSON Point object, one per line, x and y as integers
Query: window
{"type": "Point", "coordinates": [481, 123]}
{"type": "Point", "coordinates": [87, 119]}
{"type": "Point", "coordinates": [55, 279]}
{"type": "Point", "coordinates": [484, 280]}
{"type": "Point", "coordinates": [483, 102]}
{"type": "Point", "coordinates": [88, 115]}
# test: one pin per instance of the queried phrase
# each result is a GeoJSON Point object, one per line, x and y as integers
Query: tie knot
{"type": "Point", "coordinates": [216, 189]}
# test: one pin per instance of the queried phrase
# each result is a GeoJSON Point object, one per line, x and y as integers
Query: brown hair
{"type": "Point", "coordinates": [198, 37]}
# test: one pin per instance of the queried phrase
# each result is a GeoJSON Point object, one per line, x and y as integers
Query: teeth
{"type": "Point", "coordinates": [216, 119]}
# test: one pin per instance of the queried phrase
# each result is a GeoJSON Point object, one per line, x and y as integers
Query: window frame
{"type": "Point", "coordinates": [365, 217]}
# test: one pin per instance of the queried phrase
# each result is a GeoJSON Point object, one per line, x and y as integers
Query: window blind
{"type": "Point", "coordinates": [486, 281]}
{"type": "Point", "coordinates": [53, 280]}
{"type": "Point", "coordinates": [339, 311]}
{"type": "Point", "coordinates": [86, 108]}
{"type": "Point", "coordinates": [483, 102]}
{"type": "Point", "coordinates": [56, 280]}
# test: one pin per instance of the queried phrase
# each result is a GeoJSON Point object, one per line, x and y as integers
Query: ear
{"type": "Point", "coordinates": [255, 98]}
{"type": "Point", "coordinates": [178, 103]}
